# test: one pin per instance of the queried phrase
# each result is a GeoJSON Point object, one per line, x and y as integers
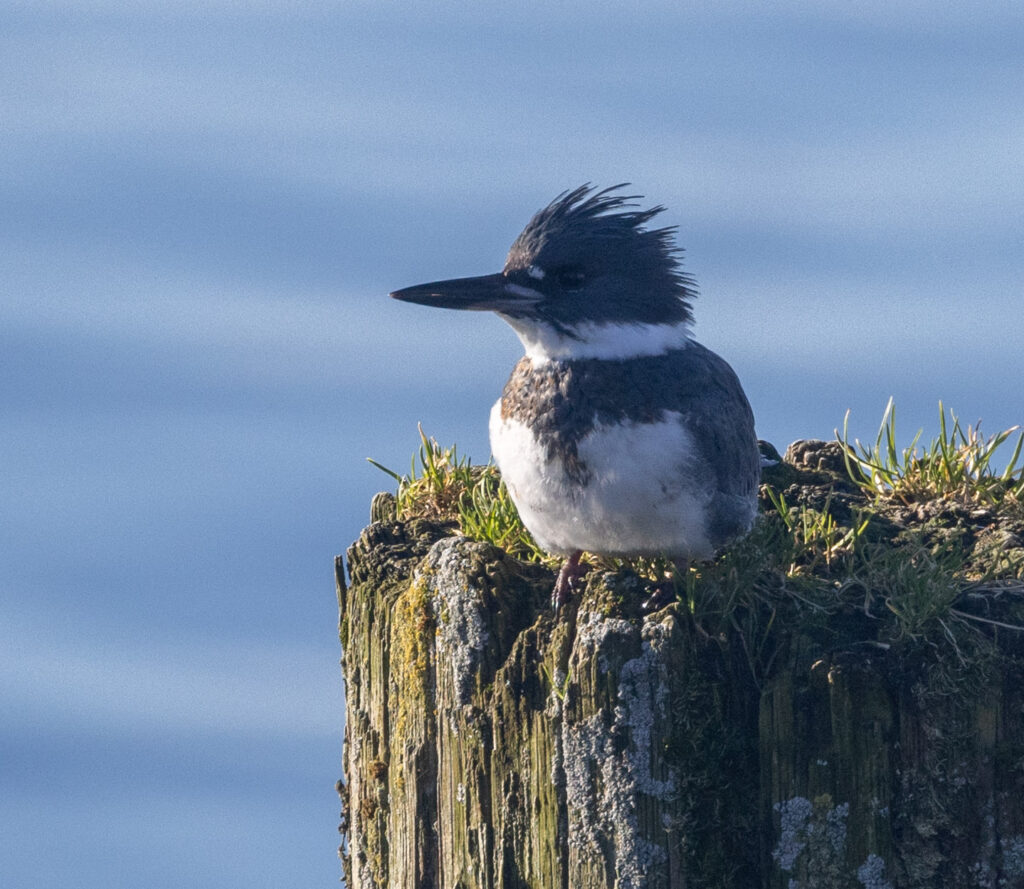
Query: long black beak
{"type": "Point", "coordinates": [487, 292]}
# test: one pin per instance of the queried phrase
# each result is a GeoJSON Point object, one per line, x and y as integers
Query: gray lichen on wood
{"type": "Point", "coordinates": [489, 744]}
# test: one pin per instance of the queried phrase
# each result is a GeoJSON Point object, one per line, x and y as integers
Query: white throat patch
{"type": "Point", "coordinates": [614, 341]}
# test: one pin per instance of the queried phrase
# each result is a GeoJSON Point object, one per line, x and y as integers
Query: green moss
{"type": "Point", "coordinates": [905, 536]}
{"type": "Point", "coordinates": [412, 634]}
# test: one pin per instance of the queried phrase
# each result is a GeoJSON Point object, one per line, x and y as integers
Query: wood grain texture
{"type": "Point", "coordinates": [489, 745]}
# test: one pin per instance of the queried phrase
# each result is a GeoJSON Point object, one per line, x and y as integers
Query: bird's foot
{"type": "Point", "coordinates": [667, 591]}
{"type": "Point", "coordinates": [568, 578]}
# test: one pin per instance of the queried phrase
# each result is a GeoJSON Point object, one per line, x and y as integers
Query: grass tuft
{"type": "Point", "coordinates": [957, 465]}
{"type": "Point", "coordinates": [436, 481]}
{"type": "Point", "coordinates": [906, 555]}
{"type": "Point", "coordinates": [817, 538]}
{"type": "Point", "coordinates": [917, 583]}
{"type": "Point", "coordinates": [445, 487]}
{"type": "Point", "coordinates": [486, 512]}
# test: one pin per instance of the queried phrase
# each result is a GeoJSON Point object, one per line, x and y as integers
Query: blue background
{"type": "Point", "coordinates": [202, 208]}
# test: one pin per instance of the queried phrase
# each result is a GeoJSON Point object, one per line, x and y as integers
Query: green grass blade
{"type": "Point", "coordinates": [385, 470]}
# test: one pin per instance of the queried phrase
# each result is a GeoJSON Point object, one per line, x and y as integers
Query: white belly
{"type": "Point", "coordinates": [642, 495]}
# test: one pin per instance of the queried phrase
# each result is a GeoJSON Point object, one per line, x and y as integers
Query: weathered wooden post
{"type": "Point", "coordinates": [490, 744]}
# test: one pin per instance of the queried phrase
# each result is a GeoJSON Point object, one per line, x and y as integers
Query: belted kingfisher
{"type": "Point", "coordinates": [617, 434]}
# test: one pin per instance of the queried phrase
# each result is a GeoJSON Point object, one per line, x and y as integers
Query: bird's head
{"type": "Point", "coordinates": [585, 278]}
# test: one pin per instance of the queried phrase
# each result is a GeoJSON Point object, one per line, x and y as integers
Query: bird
{"type": "Point", "coordinates": [617, 433]}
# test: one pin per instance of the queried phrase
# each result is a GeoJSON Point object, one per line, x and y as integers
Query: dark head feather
{"type": "Point", "coordinates": [633, 273]}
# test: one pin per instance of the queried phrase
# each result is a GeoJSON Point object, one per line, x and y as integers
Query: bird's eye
{"type": "Point", "coordinates": [570, 279]}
